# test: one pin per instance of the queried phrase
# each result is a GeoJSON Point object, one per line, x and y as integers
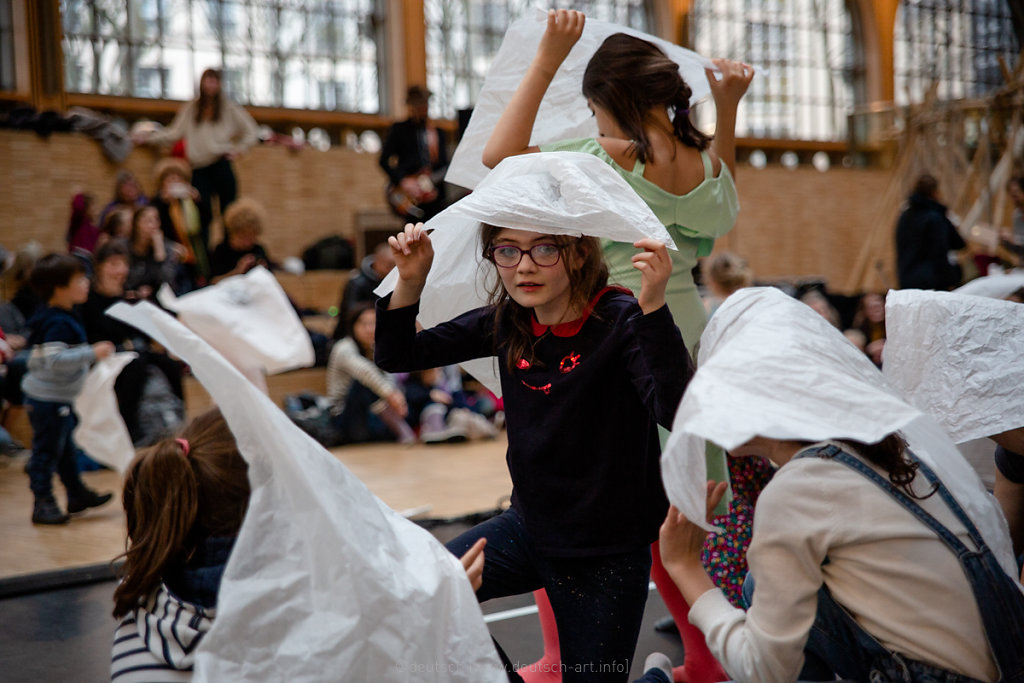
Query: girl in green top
{"type": "Point", "coordinates": [685, 176]}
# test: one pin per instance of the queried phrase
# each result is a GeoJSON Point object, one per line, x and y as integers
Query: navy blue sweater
{"type": "Point", "coordinates": [583, 445]}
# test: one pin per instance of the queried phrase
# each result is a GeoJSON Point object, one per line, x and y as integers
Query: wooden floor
{"type": "Point", "coordinates": [452, 479]}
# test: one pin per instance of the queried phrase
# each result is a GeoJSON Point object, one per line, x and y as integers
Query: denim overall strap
{"type": "Point", "coordinates": [999, 601]}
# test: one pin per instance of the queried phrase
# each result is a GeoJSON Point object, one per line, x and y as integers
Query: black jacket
{"type": "Point", "coordinates": [924, 238]}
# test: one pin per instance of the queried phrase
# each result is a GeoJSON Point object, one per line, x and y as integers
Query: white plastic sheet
{"type": "Point", "coordinates": [325, 582]}
{"type": "Point", "coordinates": [959, 358]}
{"type": "Point", "coordinates": [562, 193]}
{"type": "Point", "coordinates": [770, 366]}
{"type": "Point", "coordinates": [101, 431]}
{"type": "Point", "coordinates": [994, 286]}
{"type": "Point", "coordinates": [249, 320]}
{"type": "Point", "coordinates": [563, 112]}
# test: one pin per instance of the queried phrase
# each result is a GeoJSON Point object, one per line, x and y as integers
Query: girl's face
{"type": "Point", "coordinates": [874, 307]}
{"type": "Point", "coordinates": [545, 289]}
{"type": "Point", "coordinates": [111, 275]}
{"type": "Point", "coordinates": [364, 327]}
{"type": "Point", "coordinates": [209, 85]}
{"type": "Point", "coordinates": [149, 225]}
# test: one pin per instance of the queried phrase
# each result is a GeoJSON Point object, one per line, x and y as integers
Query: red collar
{"type": "Point", "coordinates": [572, 327]}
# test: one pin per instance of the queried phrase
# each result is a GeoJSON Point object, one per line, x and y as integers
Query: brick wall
{"type": "Point", "coordinates": [795, 223]}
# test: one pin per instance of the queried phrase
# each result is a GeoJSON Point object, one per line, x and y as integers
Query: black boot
{"type": "Point", "coordinates": [86, 498]}
{"type": "Point", "coordinates": [46, 511]}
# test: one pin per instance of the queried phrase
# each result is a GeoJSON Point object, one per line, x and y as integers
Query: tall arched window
{"type": "Point", "coordinates": [810, 62]}
{"type": "Point", "coordinates": [954, 42]}
{"type": "Point", "coordinates": [282, 53]}
{"type": "Point", "coordinates": [464, 35]}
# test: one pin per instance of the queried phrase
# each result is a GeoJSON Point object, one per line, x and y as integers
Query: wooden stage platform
{"type": "Point", "coordinates": [453, 479]}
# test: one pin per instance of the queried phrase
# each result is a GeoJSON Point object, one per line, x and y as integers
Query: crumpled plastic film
{"type": "Point", "coordinates": [248, 319]}
{"type": "Point", "coordinates": [325, 582]}
{"type": "Point", "coordinates": [101, 431]}
{"type": "Point", "coordinates": [959, 358]}
{"type": "Point", "coordinates": [994, 286]}
{"type": "Point", "coordinates": [563, 193]}
{"type": "Point", "coordinates": [563, 112]}
{"type": "Point", "coordinates": [770, 366]}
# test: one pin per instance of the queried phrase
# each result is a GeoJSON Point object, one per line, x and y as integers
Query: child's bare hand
{"type": "Point", "coordinates": [102, 349]}
{"type": "Point", "coordinates": [734, 81]}
{"type": "Point", "coordinates": [565, 26]}
{"type": "Point", "coordinates": [473, 562]}
{"type": "Point", "coordinates": [413, 253]}
{"type": "Point", "coordinates": [655, 269]}
{"type": "Point", "coordinates": [680, 540]}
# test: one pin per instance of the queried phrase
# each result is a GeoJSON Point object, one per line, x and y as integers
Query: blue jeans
{"type": "Point", "coordinates": [598, 601]}
{"type": "Point", "coordinates": [52, 447]}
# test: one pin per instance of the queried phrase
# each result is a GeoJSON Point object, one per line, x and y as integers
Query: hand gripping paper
{"type": "Point", "coordinates": [561, 193]}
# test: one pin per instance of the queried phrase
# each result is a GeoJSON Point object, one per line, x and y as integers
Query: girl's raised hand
{"type": "Point", "coordinates": [413, 253]}
{"type": "Point", "coordinates": [734, 81]}
{"type": "Point", "coordinates": [565, 26]}
{"type": "Point", "coordinates": [655, 269]}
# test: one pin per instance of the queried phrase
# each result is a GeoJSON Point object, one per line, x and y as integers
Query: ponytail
{"type": "Point", "coordinates": [628, 77]}
{"type": "Point", "coordinates": [177, 494]}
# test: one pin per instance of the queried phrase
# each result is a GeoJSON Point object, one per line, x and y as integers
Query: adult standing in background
{"type": "Point", "coordinates": [216, 130]}
{"type": "Point", "coordinates": [415, 157]}
{"type": "Point", "coordinates": [925, 240]}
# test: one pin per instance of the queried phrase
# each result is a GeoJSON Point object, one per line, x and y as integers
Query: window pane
{"type": "Point", "coordinates": [283, 53]}
{"type": "Point", "coordinates": [809, 61]}
{"type": "Point", "coordinates": [956, 43]}
{"type": "Point", "coordinates": [7, 76]}
{"type": "Point", "coordinates": [463, 36]}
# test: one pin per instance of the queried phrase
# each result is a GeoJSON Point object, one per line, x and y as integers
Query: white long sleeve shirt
{"type": "Point", "coordinates": [890, 571]}
{"type": "Point", "coordinates": [208, 141]}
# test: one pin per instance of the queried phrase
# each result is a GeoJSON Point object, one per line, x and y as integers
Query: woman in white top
{"type": "Point", "coordinates": [215, 131]}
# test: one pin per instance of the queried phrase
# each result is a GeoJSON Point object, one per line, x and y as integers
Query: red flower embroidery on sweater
{"type": "Point", "coordinates": [546, 388]}
{"type": "Point", "coordinates": [569, 363]}
{"type": "Point", "coordinates": [523, 364]}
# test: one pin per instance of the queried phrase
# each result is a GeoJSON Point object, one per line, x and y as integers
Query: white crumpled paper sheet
{"type": "Point", "coordinates": [101, 431]}
{"type": "Point", "coordinates": [563, 112]}
{"type": "Point", "coordinates": [249, 320]}
{"type": "Point", "coordinates": [325, 581]}
{"type": "Point", "coordinates": [562, 193]}
{"type": "Point", "coordinates": [770, 366]}
{"type": "Point", "coordinates": [959, 358]}
{"type": "Point", "coordinates": [994, 286]}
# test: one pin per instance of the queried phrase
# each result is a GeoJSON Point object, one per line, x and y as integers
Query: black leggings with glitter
{"type": "Point", "coordinates": [598, 601]}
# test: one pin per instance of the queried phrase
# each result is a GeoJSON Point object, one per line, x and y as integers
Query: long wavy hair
{"type": "Point", "coordinates": [629, 77]}
{"type": "Point", "coordinates": [588, 274]}
{"type": "Point", "coordinates": [890, 455]}
{"type": "Point", "coordinates": [174, 501]}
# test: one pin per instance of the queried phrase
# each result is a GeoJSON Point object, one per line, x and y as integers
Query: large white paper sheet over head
{"type": "Point", "coordinates": [561, 193]}
{"type": "Point", "coordinates": [563, 112]}
{"type": "Point", "coordinates": [959, 358]}
{"type": "Point", "coordinates": [248, 319]}
{"type": "Point", "coordinates": [770, 366]}
{"type": "Point", "coordinates": [994, 286]}
{"type": "Point", "coordinates": [325, 582]}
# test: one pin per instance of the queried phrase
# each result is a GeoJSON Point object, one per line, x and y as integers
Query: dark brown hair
{"type": "Point", "coordinates": [111, 248]}
{"type": "Point", "coordinates": [629, 77]}
{"type": "Point", "coordinates": [890, 455]}
{"type": "Point", "coordinates": [136, 216]}
{"type": "Point", "coordinates": [204, 101]}
{"type": "Point", "coordinates": [174, 501]}
{"type": "Point", "coordinates": [53, 271]}
{"type": "Point", "coordinates": [588, 274]}
{"type": "Point", "coordinates": [926, 185]}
